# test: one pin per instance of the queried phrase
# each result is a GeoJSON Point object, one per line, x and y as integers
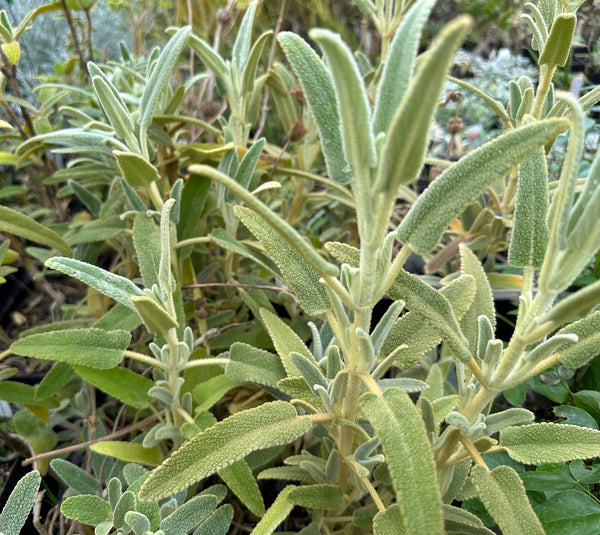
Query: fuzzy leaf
{"type": "Point", "coordinates": [457, 520]}
{"type": "Point", "coordinates": [252, 63]}
{"type": "Point", "coordinates": [75, 477]}
{"type": "Point", "coordinates": [399, 63]}
{"type": "Point", "coordinates": [192, 513]}
{"type": "Point", "coordinates": [225, 241]}
{"type": "Point", "coordinates": [97, 230]}
{"type": "Point", "coordinates": [161, 74]}
{"type": "Point", "coordinates": [530, 230]}
{"type": "Point", "coordinates": [320, 94]}
{"type": "Point", "coordinates": [286, 342]}
{"type": "Point", "coordinates": [217, 523]}
{"type": "Point", "coordinates": [207, 393]}
{"type": "Point", "coordinates": [130, 452]}
{"type": "Point", "coordinates": [550, 443]}
{"type": "Point", "coordinates": [95, 348]}
{"type": "Point", "coordinates": [500, 420]}
{"type": "Point", "coordinates": [19, 503]}
{"type": "Point", "coordinates": [409, 458]}
{"type": "Point", "coordinates": [297, 271]}
{"type": "Point", "coordinates": [238, 477]}
{"type": "Point", "coordinates": [146, 240]}
{"type": "Point", "coordinates": [155, 318]}
{"type": "Point", "coordinates": [87, 509]}
{"type": "Point", "coordinates": [503, 495]}
{"type": "Point", "coordinates": [460, 184]}
{"type": "Point", "coordinates": [588, 346]}
{"type": "Point", "coordinates": [558, 45]}
{"type": "Point", "coordinates": [209, 57]}
{"type": "Point", "coordinates": [270, 424]}
{"type": "Point", "coordinates": [352, 103]}
{"type": "Point", "coordinates": [93, 203]}
{"type": "Point", "coordinates": [118, 115]}
{"type": "Point", "coordinates": [18, 224]}
{"type": "Point", "coordinates": [114, 286]}
{"type": "Point", "coordinates": [276, 514]}
{"type": "Point", "coordinates": [483, 302]}
{"type": "Point", "coordinates": [122, 383]}
{"type": "Point", "coordinates": [250, 364]}
{"type": "Point", "coordinates": [390, 521]}
{"type": "Point", "coordinates": [137, 172]}
{"type": "Point", "coordinates": [241, 45]}
{"type": "Point", "coordinates": [407, 140]}
{"type": "Point", "coordinates": [247, 166]}
{"type": "Point", "coordinates": [317, 496]}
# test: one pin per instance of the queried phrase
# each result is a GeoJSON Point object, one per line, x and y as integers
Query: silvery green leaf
{"type": "Point", "coordinates": [132, 452]}
{"type": "Point", "coordinates": [495, 105]}
{"type": "Point", "coordinates": [390, 522]}
{"type": "Point", "coordinates": [133, 198]}
{"type": "Point", "coordinates": [407, 139]}
{"type": "Point", "coordinates": [408, 384]}
{"type": "Point", "coordinates": [458, 185]}
{"type": "Point", "coordinates": [311, 373]}
{"type": "Point", "coordinates": [409, 458]}
{"type": "Point", "coordinates": [363, 454]}
{"type": "Point", "coordinates": [334, 361]}
{"type": "Point", "coordinates": [91, 201]}
{"type": "Point", "coordinates": [161, 394]}
{"type": "Point", "coordinates": [165, 277]}
{"type": "Point", "coordinates": [138, 522]}
{"type": "Point", "coordinates": [485, 333]}
{"type": "Point", "coordinates": [83, 140]}
{"type": "Point", "coordinates": [209, 57]}
{"type": "Point", "coordinates": [241, 481]}
{"type": "Point", "coordinates": [88, 509]}
{"type": "Point", "coordinates": [558, 45]}
{"type": "Point", "coordinates": [352, 104]}
{"type": "Point", "coordinates": [114, 491]}
{"type": "Point", "coordinates": [366, 6]}
{"type": "Point", "coordinates": [276, 514]}
{"type": "Point", "coordinates": [587, 330]}
{"type": "Point", "coordinates": [217, 523]}
{"type": "Point", "coordinates": [513, 416]}
{"type": "Point", "coordinates": [160, 76]}
{"type": "Point", "coordinates": [191, 514]}
{"type": "Point", "coordinates": [75, 477]}
{"type": "Point", "coordinates": [550, 346]}
{"type": "Point", "coordinates": [526, 104]}
{"type": "Point", "coordinates": [137, 172]}
{"type": "Point", "coordinates": [317, 496]}
{"type": "Point", "coordinates": [399, 63]}
{"type": "Point", "coordinates": [530, 230]}
{"type": "Point", "coordinates": [320, 94]}
{"type": "Point", "coordinates": [243, 175]}
{"type": "Point", "coordinates": [146, 240]}
{"type": "Point", "coordinates": [114, 286]}
{"type": "Point", "coordinates": [250, 364]}
{"type": "Point", "coordinates": [18, 224]}
{"type": "Point", "coordinates": [252, 64]}
{"type": "Point", "coordinates": [514, 99]}
{"type": "Point", "coordinates": [271, 424]}
{"type": "Point", "coordinates": [385, 324]}
{"type": "Point", "coordinates": [241, 46]}
{"type": "Point", "coordinates": [550, 443]}
{"type": "Point", "coordinates": [504, 497]}
{"type": "Point", "coordinates": [19, 503]}
{"type": "Point", "coordinates": [155, 317]}
{"type": "Point", "coordinates": [118, 115]}
{"type": "Point", "coordinates": [95, 348]}
{"type": "Point", "coordinates": [368, 357]}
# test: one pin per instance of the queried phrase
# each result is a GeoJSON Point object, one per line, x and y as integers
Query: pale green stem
{"type": "Point", "coordinates": [528, 272]}
{"type": "Point", "coordinates": [369, 488]}
{"type": "Point", "coordinates": [397, 265]}
{"type": "Point", "coordinates": [185, 415]}
{"type": "Point", "coordinates": [540, 367]}
{"type": "Point", "coordinates": [144, 142]}
{"type": "Point", "coordinates": [146, 359]}
{"type": "Point", "coordinates": [206, 362]}
{"type": "Point", "coordinates": [192, 241]}
{"type": "Point", "coordinates": [371, 384]}
{"type": "Point", "coordinates": [546, 75]}
{"type": "Point", "coordinates": [5, 354]}
{"type": "Point", "coordinates": [155, 196]}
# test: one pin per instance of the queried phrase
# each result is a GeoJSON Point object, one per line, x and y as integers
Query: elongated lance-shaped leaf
{"type": "Point", "coordinates": [189, 515]}
{"type": "Point", "coordinates": [252, 63]}
{"type": "Point", "coordinates": [385, 324]}
{"type": "Point", "coordinates": [114, 286]}
{"type": "Point", "coordinates": [577, 304]}
{"type": "Point", "coordinates": [155, 317]}
{"type": "Point", "coordinates": [550, 443]}
{"type": "Point", "coordinates": [408, 136]}
{"type": "Point", "coordinates": [217, 523]}
{"type": "Point", "coordinates": [513, 416]}
{"type": "Point", "coordinates": [399, 63]}
{"type": "Point", "coordinates": [165, 277]}
{"type": "Point", "coordinates": [95, 348]}
{"type": "Point", "coordinates": [158, 80]}
{"type": "Point", "coordinates": [209, 57]}
{"type": "Point", "coordinates": [118, 115]}
{"type": "Point", "coordinates": [320, 94]}
{"type": "Point", "coordinates": [276, 514]}
{"type": "Point", "coordinates": [93, 203]}
{"type": "Point", "coordinates": [282, 227]}
{"type": "Point", "coordinates": [88, 509]}
{"type": "Point", "coordinates": [137, 171]}
{"type": "Point", "coordinates": [146, 240]}
{"type": "Point", "coordinates": [19, 503]}
{"type": "Point", "coordinates": [530, 230]}
{"type": "Point", "coordinates": [18, 224]}
{"type": "Point", "coordinates": [503, 495]}
{"type": "Point", "coordinates": [558, 45]}
{"type": "Point", "coordinates": [352, 104]}
{"type": "Point", "coordinates": [457, 520]}
{"type": "Point", "coordinates": [310, 372]}
{"type": "Point", "coordinates": [92, 140]}
{"type": "Point", "coordinates": [243, 175]}
{"type": "Point", "coordinates": [250, 364]}
{"type": "Point", "coordinates": [317, 496]}
{"type": "Point", "coordinates": [550, 346]}
{"type": "Point", "coordinates": [241, 46]}
{"type": "Point", "coordinates": [390, 522]}
{"type": "Point", "coordinates": [483, 302]}
{"type": "Point", "coordinates": [271, 424]}
{"type": "Point", "coordinates": [588, 344]}
{"type": "Point", "coordinates": [404, 440]}
{"type": "Point", "coordinates": [240, 480]}
{"type": "Point", "coordinates": [433, 308]}
{"type": "Point", "coordinates": [495, 105]}
{"type": "Point", "coordinates": [129, 452]}
{"type": "Point", "coordinates": [459, 185]}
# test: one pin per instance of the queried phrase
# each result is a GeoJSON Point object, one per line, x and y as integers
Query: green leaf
{"type": "Point", "coordinates": [457, 520]}
{"type": "Point", "coordinates": [276, 514]}
{"type": "Point", "coordinates": [230, 440]}
{"type": "Point", "coordinates": [241, 45]}
{"type": "Point", "coordinates": [97, 230]}
{"type": "Point", "coordinates": [588, 346]}
{"type": "Point", "coordinates": [483, 302]}
{"type": "Point", "coordinates": [317, 497]}
{"type": "Point", "coordinates": [137, 172]}
{"type": "Point", "coordinates": [399, 64]}
{"type": "Point", "coordinates": [405, 444]}
{"type": "Point", "coordinates": [146, 240]}
{"type": "Point", "coordinates": [14, 392]}
{"type": "Point", "coordinates": [530, 230]}
{"type": "Point", "coordinates": [407, 140]}
{"type": "Point", "coordinates": [121, 383]}
{"type": "Point", "coordinates": [60, 374]}
{"type": "Point", "coordinates": [19, 503]}
{"type": "Point", "coordinates": [238, 477]}
{"type": "Point", "coordinates": [114, 286]}
{"type": "Point", "coordinates": [93, 203]}
{"type": "Point", "coordinates": [118, 115]}
{"type": "Point", "coordinates": [130, 452]}
{"type": "Point", "coordinates": [18, 224]}
{"type": "Point", "coordinates": [570, 511]}
{"type": "Point", "coordinates": [390, 521]}
{"type": "Point", "coordinates": [505, 499]}
{"type": "Point", "coordinates": [207, 393]}
{"type": "Point", "coordinates": [155, 318]}
{"type": "Point", "coordinates": [87, 509]}
{"type": "Point", "coordinates": [506, 418]}
{"type": "Point", "coordinates": [75, 477]}
{"type": "Point", "coordinates": [225, 241]}
{"type": "Point", "coordinates": [95, 348]}
{"type": "Point", "coordinates": [558, 45]}
{"type": "Point", "coordinates": [217, 523]}
{"type": "Point", "coordinates": [138, 522]}
{"type": "Point", "coordinates": [192, 513]}
{"type": "Point", "coordinates": [159, 79]}
{"type": "Point", "coordinates": [252, 64]}
{"type": "Point", "coordinates": [460, 184]}
{"type": "Point", "coordinates": [433, 308]}
{"type": "Point", "coordinates": [320, 94]}
{"type": "Point", "coordinates": [550, 443]}
{"type": "Point", "coordinates": [250, 364]}
{"type": "Point", "coordinates": [209, 57]}
{"type": "Point", "coordinates": [352, 104]}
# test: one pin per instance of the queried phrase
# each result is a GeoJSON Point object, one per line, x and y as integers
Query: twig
{"type": "Point", "coordinates": [74, 36]}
